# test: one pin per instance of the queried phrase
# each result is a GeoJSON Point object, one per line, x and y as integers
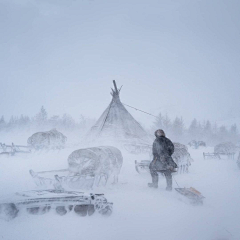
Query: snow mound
{"type": "Point", "coordinates": [225, 148]}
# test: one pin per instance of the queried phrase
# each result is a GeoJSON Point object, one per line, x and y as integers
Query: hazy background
{"type": "Point", "coordinates": [177, 57]}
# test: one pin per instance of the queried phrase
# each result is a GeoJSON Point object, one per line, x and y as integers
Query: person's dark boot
{"type": "Point", "coordinates": [154, 183]}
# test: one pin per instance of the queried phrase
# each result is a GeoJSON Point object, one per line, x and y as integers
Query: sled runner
{"type": "Point", "coordinates": [86, 168]}
{"type": "Point", "coordinates": [192, 195]}
{"type": "Point", "coordinates": [60, 179]}
{"type": "Point", "coordinates": [211, 155]}
{"type": "Point", "coordinates": [62, 202]}
{"type": "Point", "coordinates": [142, 166]}
{"type": "Point", "coordinates": [13, 149]}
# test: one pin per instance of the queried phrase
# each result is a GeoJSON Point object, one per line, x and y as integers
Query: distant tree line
{"type": "Point", "coordinates": [41, 121]}
{"type": "Point", "coordinates": [176, 129]}
{"type": "Point", "coordinates": [205, 131]}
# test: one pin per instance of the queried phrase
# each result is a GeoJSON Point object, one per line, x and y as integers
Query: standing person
{"type": "Point", "coordinates": [162, 161]}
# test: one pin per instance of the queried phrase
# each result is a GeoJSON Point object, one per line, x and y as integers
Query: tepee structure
{"type": "Point", "coordinates": [117, 124]}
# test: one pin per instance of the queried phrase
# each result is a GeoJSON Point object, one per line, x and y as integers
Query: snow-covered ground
{"type": "Point", "coordinates": [138, 212]}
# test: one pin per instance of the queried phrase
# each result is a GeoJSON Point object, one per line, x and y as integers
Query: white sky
{"type": "Point", "coordinates": [179, 57]}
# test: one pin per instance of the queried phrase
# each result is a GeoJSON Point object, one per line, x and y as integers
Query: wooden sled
{"type": "Point", "coordinates": [193, 196]}
{"type": "Point", "coordinates": [211, 155]}
{"type": "Point", "coordinates": [143, 167]}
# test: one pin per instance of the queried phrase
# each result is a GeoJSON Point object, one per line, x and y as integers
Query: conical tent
{"type": "Point", "coordinates": [116, 123]}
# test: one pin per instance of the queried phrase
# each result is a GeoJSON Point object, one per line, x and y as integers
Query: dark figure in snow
{"type": "Point", "coordinates": [162, 161]}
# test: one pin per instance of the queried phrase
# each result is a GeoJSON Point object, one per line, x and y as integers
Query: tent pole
{"type": "Point", "coordinates": [115, 86]}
